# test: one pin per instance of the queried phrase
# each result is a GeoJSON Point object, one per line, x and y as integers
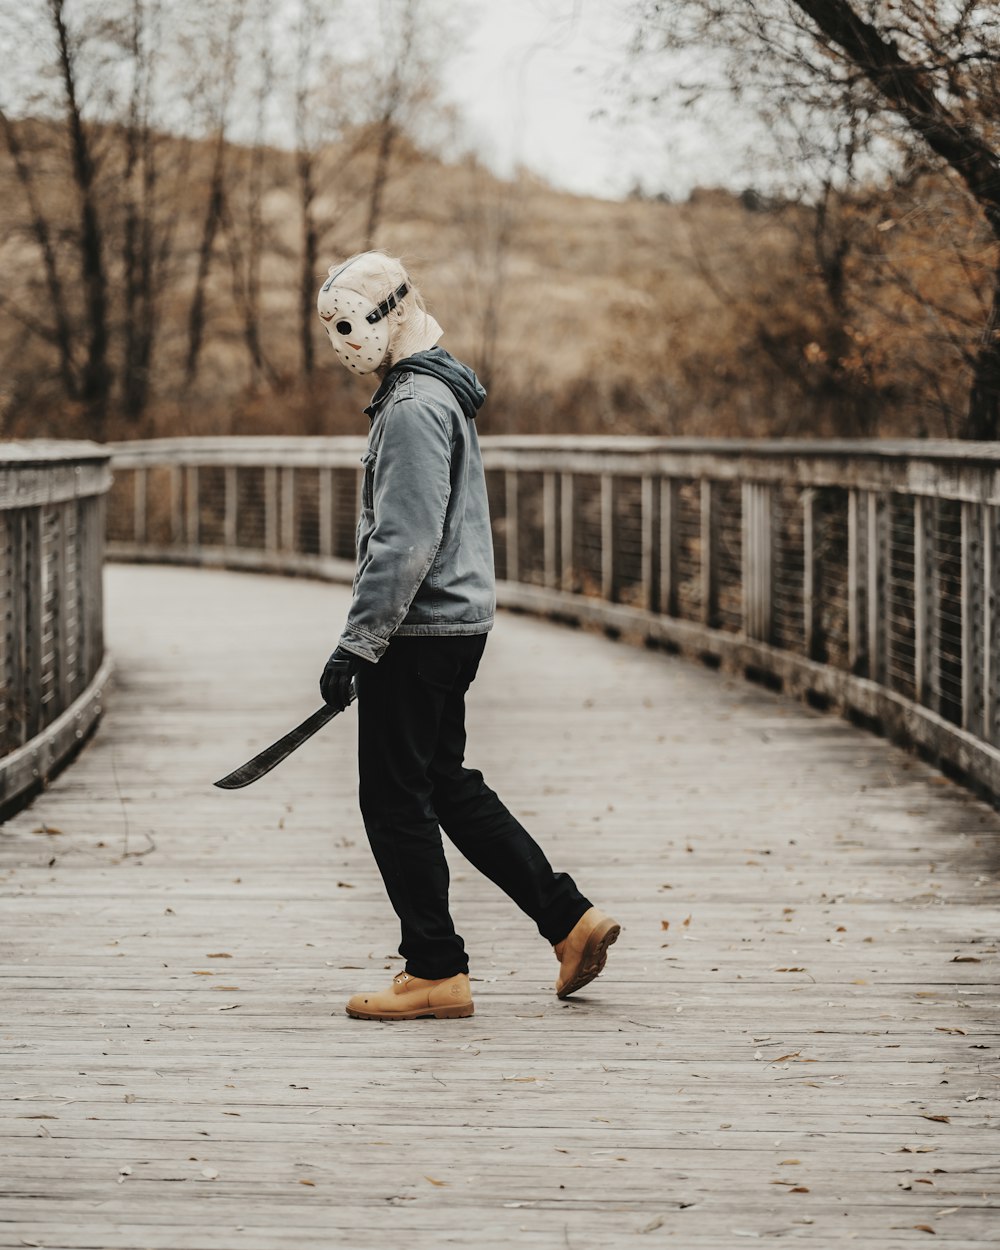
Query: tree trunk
{"type": "Point", "coordinates": [309, 262]}
{"type": "Point", "coordinates": [982, 419]}
{"type": "Point", "coordinates": [96, 377]}
{"type": "Point", "coordinates": [213, 216]}
{"type": "Point", "coordinates": [380, 176]}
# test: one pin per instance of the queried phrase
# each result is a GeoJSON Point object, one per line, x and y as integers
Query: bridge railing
{"type": "Point", "coordinates": [861, 575]}
{"type": "Point", "coordinates": [52, 663]}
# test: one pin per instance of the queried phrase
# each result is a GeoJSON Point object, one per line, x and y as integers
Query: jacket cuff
{"type": "Point", "coordinates": [363, 644]}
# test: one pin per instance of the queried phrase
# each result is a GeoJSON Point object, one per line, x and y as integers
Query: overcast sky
{"type": "Point", "coordinates": [540, 84]}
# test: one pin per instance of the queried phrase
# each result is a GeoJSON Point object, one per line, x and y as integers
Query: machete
{"type": "Point", "coordinates": [272, 756]}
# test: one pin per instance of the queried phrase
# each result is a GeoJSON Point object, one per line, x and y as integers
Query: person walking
{"type": "Point", "coordinates": [423, 603]}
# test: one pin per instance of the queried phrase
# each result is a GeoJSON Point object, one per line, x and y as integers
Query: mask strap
{"type": "Point", "coordinates": [387, 305]}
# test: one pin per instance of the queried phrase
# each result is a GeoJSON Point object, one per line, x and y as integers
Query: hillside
{"type": "Point", "coordinates": [721, 315]}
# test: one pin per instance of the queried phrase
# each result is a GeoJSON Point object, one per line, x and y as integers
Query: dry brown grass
{"type": "Point", "coordinates": [707, 317]}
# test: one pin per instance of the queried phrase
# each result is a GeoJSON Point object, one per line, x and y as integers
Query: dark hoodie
{"type": "Point", "coordinates": [425, 544]}
{"type": "Point", "coordinates": [436, 363]}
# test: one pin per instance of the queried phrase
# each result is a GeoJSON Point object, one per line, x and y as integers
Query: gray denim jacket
{"type": "Point", "coordinates": [425, 544]}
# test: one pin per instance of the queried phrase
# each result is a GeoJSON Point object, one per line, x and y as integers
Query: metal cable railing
{"type": "Point", "coordinates": [861, 574]}
{"type": "Point", "coordinates": [52, 663]}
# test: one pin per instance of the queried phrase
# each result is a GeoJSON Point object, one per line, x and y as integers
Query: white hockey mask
{"type": "Point", "coordinates": [359, 333]}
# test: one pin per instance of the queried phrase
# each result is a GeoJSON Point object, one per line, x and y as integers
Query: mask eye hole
{"type": "Point", "coordinates": [343, 327]}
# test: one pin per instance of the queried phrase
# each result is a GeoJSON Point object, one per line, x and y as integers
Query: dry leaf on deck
{"type": "Point", "coordinates": [434, 1182]}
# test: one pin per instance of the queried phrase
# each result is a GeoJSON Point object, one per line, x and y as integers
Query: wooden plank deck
{"type": "Point", "coordinates": [807, 1053]}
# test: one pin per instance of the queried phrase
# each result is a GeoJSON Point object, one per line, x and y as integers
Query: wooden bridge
{"type": "Point", "coordinates": [796, 1036]}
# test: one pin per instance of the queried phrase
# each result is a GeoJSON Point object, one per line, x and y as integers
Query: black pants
{"type": "Point", "coordinates": [411, 747]}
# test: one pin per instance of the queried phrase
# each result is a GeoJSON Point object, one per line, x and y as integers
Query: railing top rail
{"type": "Point", "coordinates": [50, 451]}
{"type": "Point", "coordinates": [38, 472]}
{"type": "Point", "coordinates": [842, 448]}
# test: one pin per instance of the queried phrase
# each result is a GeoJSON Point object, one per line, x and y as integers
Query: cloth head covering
{"type": "Point", "coordinates": [372, 312]}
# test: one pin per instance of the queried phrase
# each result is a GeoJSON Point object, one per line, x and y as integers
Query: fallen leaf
{"type": "Point", "coordinates": [664, 924]}
{"type": "Point", "coordinates": [345, 885]}
{"type": "Point", "coordinates": [966, 959]}
{"type": "Point", "coordinates": [789, 1162]}
{"type": "Point", "coordinates": [791, 1055]}
{"type": "Point", "coordinates": [799, 1189]}
{"type": "Point", "coordinates": [434, 1182]}
{"type": "Point", "coordinates": [924, 1228]}
{"type": "Point", "coordinates": [202, 972]}
{"type": "Point", "coordinates": [310, 1183]}
{"type": "Point", "coordinates": [789, 969]}
{"type": "Point", "coordinates": [941, 1119]}
{"type": "Point", "coordinates": [219, 955]}
{"type": "Point", "coordinates": [47, 829]}
{"type": "Point", "coordinates": [686, 921]}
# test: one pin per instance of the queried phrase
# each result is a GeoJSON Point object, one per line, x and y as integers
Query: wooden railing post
{"type": "Point", "coordinates": [877, 581]}
{"type": "Point", "coordinates": [811, 599]}
{"type": "Point", "coordinates": [668, 546]}
{"type": "Point", "coordinates": [176, 505]}
{"type": "Point", "coordinates": [192, 513]}
{"type": "Point", "coordinates": [566, 526]}
{"type": "Point", "coordinates": [287, 509]}
{"type": "Point", "coordinates": [857, 580]}
{"type": "Point", "coordinates": [549, 522]}
{"type": "Point", "coordinates": [271, 508]}
{"type": "Point", "coordinates": [139, 523]}
{"type": "Point", "coordinates": [231, 531]}
{"type": "Point", "coordinates": [991, 623]}
{"type": "Point", "coordinates": [757, 570]}
{"type": "Point", "coordinates": [608, 537]}
{"type": "Point", "coordinates": [647, 593]}
{"type": "Point", "coordinates": [925, 597]}
{"type": "Point", "coordinates": [326, 535]}
{"type": "Point", "coordinates": [709, 572]}
{"type": "Point", "coordinates": [512, 571]}
{"type": "Point", "coordinates": [973, 601]}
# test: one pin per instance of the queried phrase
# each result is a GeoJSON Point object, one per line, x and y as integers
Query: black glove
{"type": "Point", "coordinates": [336, 683]}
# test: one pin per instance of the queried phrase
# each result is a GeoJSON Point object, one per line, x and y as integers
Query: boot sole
{"type": "Point", "coordinates": [458, 1011]}
{"type": "Point", "coordinates": [593, 959]}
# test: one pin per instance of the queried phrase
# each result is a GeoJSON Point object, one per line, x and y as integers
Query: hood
{"type": "Point", "coordinates": [441, 364]}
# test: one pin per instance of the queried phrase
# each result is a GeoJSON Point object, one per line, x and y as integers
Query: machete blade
{"type": "Point", "coordinates": [271, 756]}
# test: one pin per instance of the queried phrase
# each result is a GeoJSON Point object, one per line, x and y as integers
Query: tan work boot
{"type": "Point", "coordinates": [583, 952]}
{"type": "Point", "coordinates": [410, 998]}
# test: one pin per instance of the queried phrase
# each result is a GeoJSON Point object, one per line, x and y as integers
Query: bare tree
{"type": "Point", "coordinates": [218, 90]}
{"type": "Point", "coordinates": [245, 234]}
{"type": "Point", "coordinates": [928, 74]}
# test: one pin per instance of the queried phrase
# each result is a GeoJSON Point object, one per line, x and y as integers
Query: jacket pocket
{"type": "Point", "coordinates": [368, 481]}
